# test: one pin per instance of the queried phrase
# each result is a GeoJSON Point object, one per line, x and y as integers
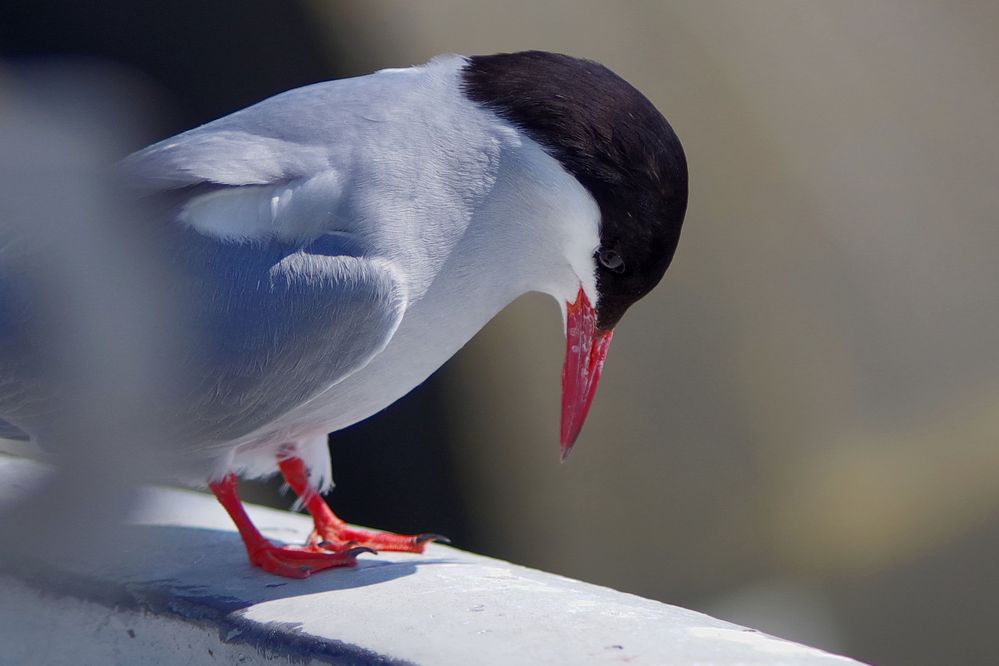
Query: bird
{"type": "Point", "coordinates": [335, 244]}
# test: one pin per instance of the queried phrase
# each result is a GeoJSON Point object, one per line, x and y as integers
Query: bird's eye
{"type": "Point", "coordinates": [611, 260]}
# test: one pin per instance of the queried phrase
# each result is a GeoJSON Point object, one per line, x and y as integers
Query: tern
{"type": "Point", "coordinates": [337, 243]}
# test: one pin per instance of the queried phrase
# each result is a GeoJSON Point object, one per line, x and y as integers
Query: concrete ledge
{"type": "Point", "coordinates": [182, 592]}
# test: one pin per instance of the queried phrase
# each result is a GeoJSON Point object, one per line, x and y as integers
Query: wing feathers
{"type": "Point", "coordinates": [279, 326]}
{"type": "Point", "coordinates": [300, 209]}
{"type": "Point", "coordinates": [221, 157]}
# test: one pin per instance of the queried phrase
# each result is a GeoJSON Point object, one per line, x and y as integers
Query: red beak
{"type": "Point", "coordinates": [585, 350]}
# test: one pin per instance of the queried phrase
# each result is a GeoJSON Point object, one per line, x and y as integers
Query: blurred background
{"type": "Point", "coordinates": [797, 430]}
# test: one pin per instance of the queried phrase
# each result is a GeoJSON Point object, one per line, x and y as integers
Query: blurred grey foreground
{"type": "Point", "coordinates": [86, 328]}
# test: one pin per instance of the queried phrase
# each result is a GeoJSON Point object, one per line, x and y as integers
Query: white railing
{"type": "Point", "coordinates": [176, 588]}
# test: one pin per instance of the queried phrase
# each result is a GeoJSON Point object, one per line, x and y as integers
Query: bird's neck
{"type": "Point", "coordinates": [450, 191]}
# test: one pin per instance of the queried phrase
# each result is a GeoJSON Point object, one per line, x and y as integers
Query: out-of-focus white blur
{"type": "Point", "coordinates": [89, 326]}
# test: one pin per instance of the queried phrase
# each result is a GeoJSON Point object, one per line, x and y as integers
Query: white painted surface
{"type": "Point", "coordinates": [178, 590]}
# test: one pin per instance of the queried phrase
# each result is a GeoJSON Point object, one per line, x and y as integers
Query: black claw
{"type": "Point", "coordinates": [354, 552]}
{"type": "Point", "coordinates": [439, 538]}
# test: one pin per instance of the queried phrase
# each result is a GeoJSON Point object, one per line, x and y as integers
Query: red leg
{"type": "Point", "coordinates": [333, 533]}
{"type": "Point", "coordinates": [287, 561]}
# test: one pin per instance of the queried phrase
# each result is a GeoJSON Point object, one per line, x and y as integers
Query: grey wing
{"type": "Point", "coordinates": [281, 311]}
{"type": "Point", "coordinates": [275, 318]}
{"type": "Point", "coordinates": [211, 154]}
{"type": "Point", "coordinates": [275, 325]}
{"type": "Point", "coordinates": [265, 327]}
{"type": "Point", "coordinates": [297, 134]}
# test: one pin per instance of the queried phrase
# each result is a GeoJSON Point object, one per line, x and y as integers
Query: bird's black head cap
{"type": "Point", "coordinates": [616, 144]}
